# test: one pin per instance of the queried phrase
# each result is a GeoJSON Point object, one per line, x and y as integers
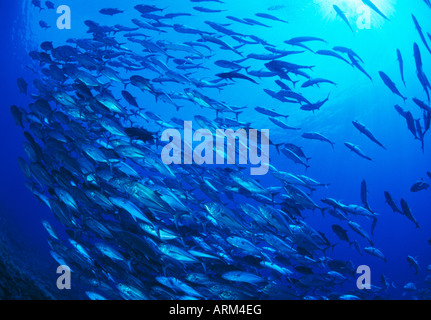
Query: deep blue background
{"type": "Point", "coordinates": [355, 98]}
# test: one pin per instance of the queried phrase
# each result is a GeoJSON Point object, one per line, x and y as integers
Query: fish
{"type": "Point", "coordinates": [235, 75]}
{"type": "Point", "coordinates": [364, 195]}
{"type": "Point", "coordinates": [349, 52]}
{"type": "Point", "coordinates": [314, 106]}
{"type": "Point", "coordinates": [22, 85]}
{"type": "Point", "coordinates": [242, 276]}
{"type": "Point", "coordinates": [331, 53]}
{"type": "Point", "coordinates": [277, 268]}
{"type": "Point", "coordinates": [373, 7]}
{"type": "Point", "coordinates": [408, 213]}
{"type": "Point", "coordinates": [255, 22]}
{"type": "Point", "coordinates": [297, 40]}
{"type": "Point", "coordinates": [411, 123]}
{"type": "Point", "coordinates": [391, 85]}
{"type": "Point", "coordinates": [282, 124]}
{"type": "Point", "coordinates": [358, 229]}
{"type": "Point", "coordinates": [401, 65]}
{"type": "Point", "coordinates": [294, 157]}
{"type": "Point", "coordinates": [376, 253]}
{"type": "Point", "coordinates": [270, 17]}
{"type": "Point", "coordinates": [244, 244]}
{"type": "Point", "coordinates": [349, 297]}
{"type": "Point", "coordinates": [317, 136]}
{"type": "Point", "coordinates": [317, 81]}
{"type": "Point", "coordinates": [110, 11]}
{"type": "Point", "coordinates": [131, 208]}
{"type": "Point", "coordinates": [37, 4]}
{"type": "Point", "coordinates": [147, 8]}
{"type": "Point", "coordinates": [220, 42]}
{"type": "Point", "coordinates": [413, 263]}
{"type": "Point", "coordinates": [270, 112]}
{"type": "Point", "coordinates": [418, 58]}
{"type": "Point", "coordinates": [363, 129]}
{"type": "Point", "coordinates": [410, 287]}
{"type": "Point", "coordinates": [419, 30]}
{"type": "Point", "coordinates": [424, 106]}
{"type": "Point", "coordinates": [341, 233]}
{"type": "Point", "coordinates": [129, 98]}
{"type": "Point", "coordinates": [419, 186]}
{"type": "Point", "coordinates": [357, 150]}
{"type": "Point", "coordinates": [17, 114]}
{"type": "Point", "coordinates": [220, 28]}
{"type": "Point", "coordinates": [236, 19]}
{"type": "Point", "coordinates": [391, 203]}
{"type": "Point", "coordinates": [218, 1]}
{"type": "Point", "coordinates": [297, 150]}
{"type": "Point", "coordinates": [294, 95]}
{"type": "Point", "coordinates": [207, 10]}
{"type": "Point", "coordinates": [401, 111]}
{"type": "Point", "coordinates": [304, 270]}
{"type": "Point", "coordinates": [356, 64]}
{"type": "Point", "coordinates": [342, 15]}
{"type": "Point", "coordinates": [276, 7]}
{"type": "Point", "coordinates": [94, 296]}
{"type": "Point", "coordinates": [93, 120]}
{"type": "Point", "coordinates": [51, 231]}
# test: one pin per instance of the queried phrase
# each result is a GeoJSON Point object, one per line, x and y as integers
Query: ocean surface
{"type": "Point", "coordinates": [213, 248]}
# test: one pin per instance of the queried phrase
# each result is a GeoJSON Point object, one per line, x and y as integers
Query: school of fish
{"type": "Point", "coordinates": [139, 229]}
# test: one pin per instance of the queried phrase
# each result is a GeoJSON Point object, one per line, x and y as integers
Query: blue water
{"type": "Point", "coordinates": [354, 98]}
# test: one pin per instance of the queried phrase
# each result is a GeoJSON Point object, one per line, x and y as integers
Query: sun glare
{"type": "Point", "coordinates": [358, 12]}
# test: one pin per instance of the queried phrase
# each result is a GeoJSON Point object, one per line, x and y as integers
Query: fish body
{"type": "Point", "coordinates": [294, 157]}
{"type": "Point", "coordinates": [359, 230]}
{"type": "Point", "coordinates": [342, 15]}
{"type": "Point", "coordinates": [375, 252]}
{"type": "Point", "coordinates": [401, 65]}
{"type": "Point", "coordinates": [413, 263]}
{"type": "Point", "coordinates": [357, 150]}
{"type": "Point", "coordinates": [282, 124]}
{"type": "Point", "coordinates": [421, 34]}
{"type": "Point", "coordinates": [419, 186]}
{"type": "Point", "coordinates": [391, 203]}
{"type": "Point", "coordinates": [408, 213]}
{"type": "Point", "coordinates": [363, 129]}
{"type": "Point", "coordinates": [235, 75]}
{"type": "Point", "coordinates": [270, 17]}
{"type": "Point", "coordinates": [269, 112]}
{"type": "Point", "coordinates": [373, 7]}
{"type": "Point", "coordinates": [314, 106]}
{"type": "Point", "coordinates": [341, 233]}
{"type": "Point", "coordinates": [317, 136]}
{"type": "Point", "coordinates": [391, 85]}
{"type": "Point", "coordinates": [241, 276]}
{"type": "Point", "coordinates": [110, 11]}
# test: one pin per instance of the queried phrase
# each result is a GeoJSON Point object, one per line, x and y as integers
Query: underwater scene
{"type": "Point", "coordinates": [215, 150]}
